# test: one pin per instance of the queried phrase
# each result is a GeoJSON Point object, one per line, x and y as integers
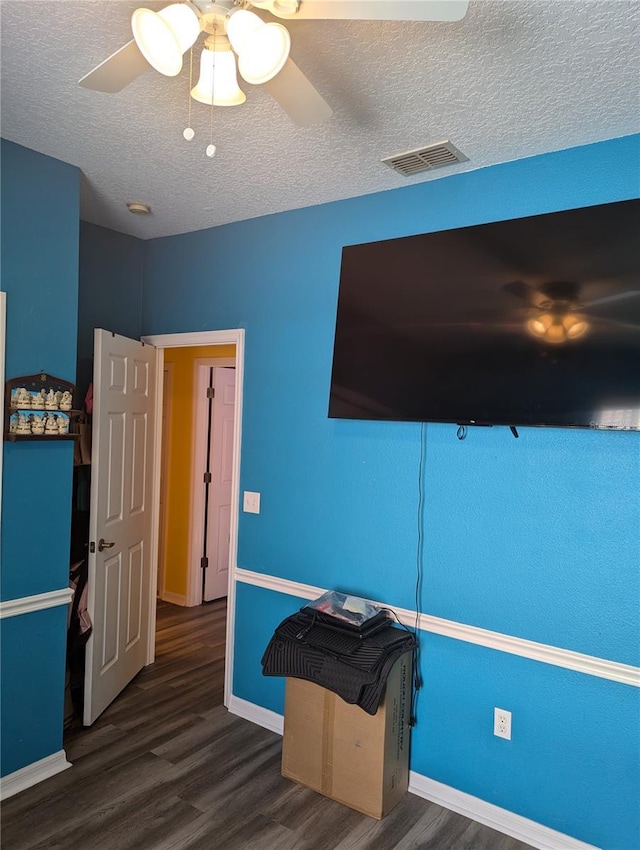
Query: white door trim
{"type": "Point", "coordinates": [184, 340]}
{"type": "Point", "coordinates": [165, 460]}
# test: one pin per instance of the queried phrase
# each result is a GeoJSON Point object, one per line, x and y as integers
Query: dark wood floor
{"type": "Point", "coordinates": [166, 767]}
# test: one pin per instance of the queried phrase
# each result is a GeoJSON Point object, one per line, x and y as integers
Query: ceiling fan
{"type": "Point", "coordinates": [556, 313]}
{"type": "Point", "coordinates": [261, 47]}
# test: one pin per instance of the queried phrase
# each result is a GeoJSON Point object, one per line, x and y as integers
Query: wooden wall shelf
{"type": "Point", "coordinates": [40, 408]}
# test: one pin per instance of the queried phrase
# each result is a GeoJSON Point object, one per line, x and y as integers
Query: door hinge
{"type": "Point", "coordinates": [207, 478]}
{"type": "Point", "coordinates": [211, 392]}
{"type": "Point", "coordinates": [204, 563]}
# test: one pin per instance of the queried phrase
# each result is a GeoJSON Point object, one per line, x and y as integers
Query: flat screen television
{"type": "Point", "coordinates": [532, 321]}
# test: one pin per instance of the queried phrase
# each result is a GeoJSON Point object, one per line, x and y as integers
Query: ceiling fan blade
{"type": "Point", "coordinates": [299, 99]}
{"type": "Point", "coordinates": [608, 299]}
{"type": "Point", "coordinates": [522, 290]}
{"type": "Point", "coordinates": [116, 72]}
{"type": "Point", "coordinates": [372, 10]}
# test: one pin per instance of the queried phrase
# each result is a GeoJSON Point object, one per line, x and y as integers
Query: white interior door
{"type": "Point", "coordinates": [120, 518]}
{"type": "Point", "coordinates": [219, 501]}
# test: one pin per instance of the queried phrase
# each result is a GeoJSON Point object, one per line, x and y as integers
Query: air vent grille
{"type": "Point", "coordinates": [424, 159]}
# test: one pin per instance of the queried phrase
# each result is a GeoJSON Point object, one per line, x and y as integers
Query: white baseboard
{"type": "Point", "coordinates": [260, 716]}
{"type": "Point", "coordinates": [508, 823]}
{"type": "Point", "coordinates": [516, 826]}
{"type": "Point", "coordinates": [30, 775]}
{"type": "Point", "coordinates": [174, 598]}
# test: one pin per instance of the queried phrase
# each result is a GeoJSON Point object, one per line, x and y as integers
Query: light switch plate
{"type": "Point", "coordinates": [251, 503]}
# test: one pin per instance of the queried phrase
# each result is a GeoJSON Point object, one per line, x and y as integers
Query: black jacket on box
{"type": "Point", "coordinates": [356, 668]}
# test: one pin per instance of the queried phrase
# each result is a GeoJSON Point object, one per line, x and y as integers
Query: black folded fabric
{"type": "Point", "coordinates": [353, 667]}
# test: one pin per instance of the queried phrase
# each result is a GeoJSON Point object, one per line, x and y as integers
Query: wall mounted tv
{"type": "Point", "coordinates": [531, 321]}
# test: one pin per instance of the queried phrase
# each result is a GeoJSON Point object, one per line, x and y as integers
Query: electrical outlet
{"type": "Point", "coordinates": [502, 723]}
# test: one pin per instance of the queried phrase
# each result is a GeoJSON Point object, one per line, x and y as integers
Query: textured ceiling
{"type": "Point", "coordinates": [513, 79]}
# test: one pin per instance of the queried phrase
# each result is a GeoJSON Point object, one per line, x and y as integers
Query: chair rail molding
{"type": "Point", "coordinates": [27, 604]}
{"type": "Point", "coordinates": [603, 668]}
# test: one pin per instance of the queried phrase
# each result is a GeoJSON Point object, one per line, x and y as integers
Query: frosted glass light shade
{"type": "Point", "coordinates": [262, 48]}
{"type": "Point", "coordinates": [163, 37]}
{"type": "Point", "coordinates": [218, 77]}
{"type": "Point", "coordinates": [574, 326]}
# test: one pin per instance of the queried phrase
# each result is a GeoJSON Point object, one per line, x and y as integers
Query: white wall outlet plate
{"type": "Point", "coordinates": [502, 723]}
{"type": "Point", "coordinates": [251, 504]}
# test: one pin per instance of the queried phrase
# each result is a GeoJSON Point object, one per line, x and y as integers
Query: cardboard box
{"type": "Point", "coordinates": [358, 759]}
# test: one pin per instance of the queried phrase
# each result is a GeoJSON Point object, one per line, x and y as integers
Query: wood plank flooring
{"type": "Point", "coordinates": [166, 767]}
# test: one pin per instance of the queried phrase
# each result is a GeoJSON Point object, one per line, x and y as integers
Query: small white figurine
{"type": "Point", "coordinates": [51, 426]}
{"type": "Point", "coordinates": [13, 424]}
{"type": "Point", "coordinates": [51, 403]}
{"type": "Point", "coordinates": [37, 424]}
{"type": "Point", "coordinates": [24, 426]}
{"type": "Point", "coordinates": [63, 425]}
{"type": "Point", "coordinates": [65, 400]}
{"type": "Point", "coordinates": [37, 400]}
{"type": "Point", "coordinates": [21, 398]}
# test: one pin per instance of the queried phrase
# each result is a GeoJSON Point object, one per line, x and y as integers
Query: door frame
{"type": "Point", "coordinates": [164, 460]}
{"type": "Point", "coordinates": [186, 340]}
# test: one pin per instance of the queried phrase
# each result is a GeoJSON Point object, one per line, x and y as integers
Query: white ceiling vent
{"type": "Point", "coordinates": [424, 159]}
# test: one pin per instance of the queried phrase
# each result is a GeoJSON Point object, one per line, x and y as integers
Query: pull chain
{"type": "Point", "coordinates": [211, 148]}
{"type": "Point", "coordinates": [189, 133]}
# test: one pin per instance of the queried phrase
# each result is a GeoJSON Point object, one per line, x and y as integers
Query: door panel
{"type": "Point", "coordinates": [139, 460]}
{"type": "Point", "coordinates": [119, 576]}
{"type": "Point", "coordinates": [109, 637]}
{"type": "Point", "coordinates": [136, 595]}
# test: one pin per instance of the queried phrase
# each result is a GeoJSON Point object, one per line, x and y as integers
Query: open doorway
{"type": "Point", "coordinates": [196, 473]}
{"type": "Point", "coordinates": [165, 344]}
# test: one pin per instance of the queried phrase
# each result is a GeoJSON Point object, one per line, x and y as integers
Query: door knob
{"type": "Point", "coordinates": [102, 544]}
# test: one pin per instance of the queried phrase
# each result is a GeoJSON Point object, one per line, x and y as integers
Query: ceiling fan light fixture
{"type": "Point", "coordinates": [557, 327]}
{"type": "Point", "coordinates": [262, 48]}
{"type": "Point", "coordinates": [218, 75]}
{"type": "Point", "coordinates": [163, 37]}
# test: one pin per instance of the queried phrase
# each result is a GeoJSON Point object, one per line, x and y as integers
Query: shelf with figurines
{"type": "Point", "coordinates": [40, 407]}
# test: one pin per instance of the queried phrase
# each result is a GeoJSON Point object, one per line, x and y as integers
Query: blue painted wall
{"type": "Point", "coordinates": [40, 218]}
{"type": "Point", "coordinates": [538, 538]}
{"type": "Point", "coordinates": [32, 654]}
{"type": "Point", "coordinates": [111, 269]}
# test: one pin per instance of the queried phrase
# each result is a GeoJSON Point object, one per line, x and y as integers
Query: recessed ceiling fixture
{"type": "Point", "coordinates": [424, 159]}
{"type": "Point", "coordinates": [138, 208]}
